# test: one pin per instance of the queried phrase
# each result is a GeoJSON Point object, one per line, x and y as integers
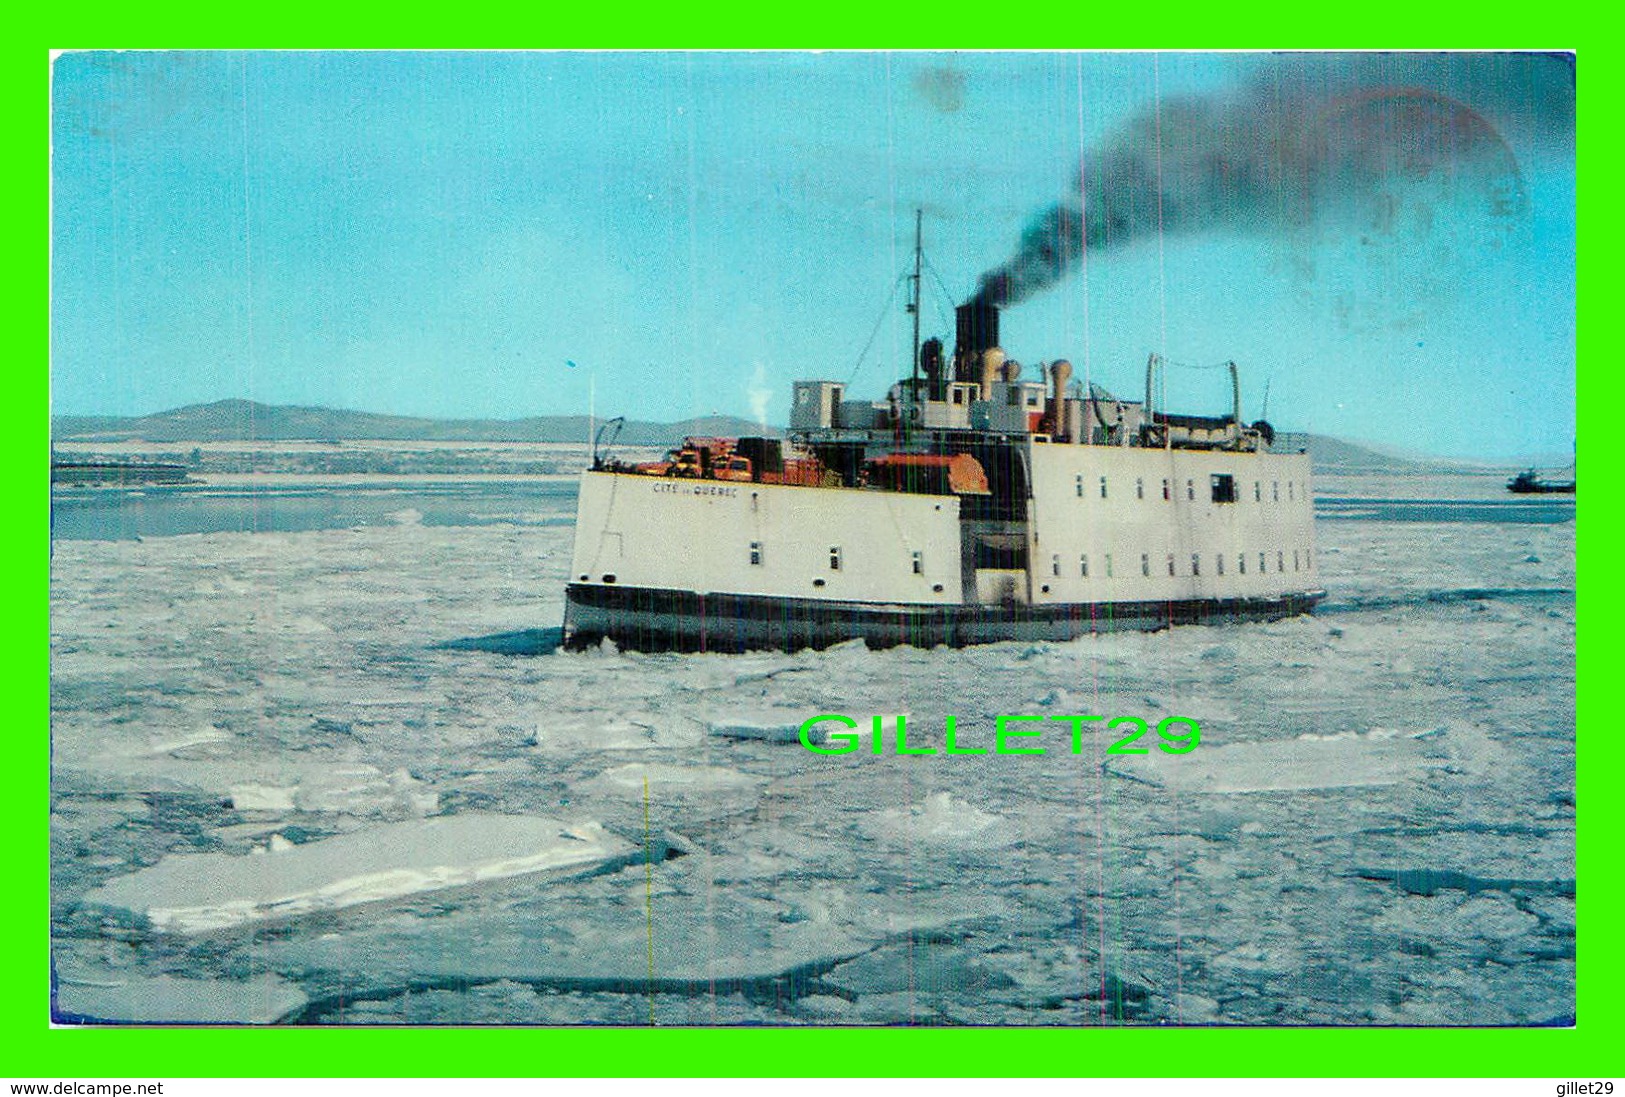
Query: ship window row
{"type": "Point", "coordinates": [1222, 488]}
{"type": "Point", "coordinates": [1302, 560]}
{"type": "Point", "coordinates": [916, 558]}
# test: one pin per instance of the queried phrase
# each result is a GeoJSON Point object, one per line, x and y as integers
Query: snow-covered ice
{"type": "Point", "coordinates": [1377, 827]}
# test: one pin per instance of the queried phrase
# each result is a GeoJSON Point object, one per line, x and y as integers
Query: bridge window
{"type": "Point", "coordinates": [756, 553]}
{"type": "Point", "coordinates": [1224, 487]}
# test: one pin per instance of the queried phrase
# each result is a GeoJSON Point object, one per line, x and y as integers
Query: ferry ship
{"type": "Point", "coordinates": [971, 505]}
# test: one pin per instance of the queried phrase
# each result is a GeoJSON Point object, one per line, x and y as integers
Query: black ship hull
{"type": "Point", "coordinates": [644, 619]}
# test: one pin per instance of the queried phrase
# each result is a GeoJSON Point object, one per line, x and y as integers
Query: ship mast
{"type": "Point", "coordinates": [914, 300]}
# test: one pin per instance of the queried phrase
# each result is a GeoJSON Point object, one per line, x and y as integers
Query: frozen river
{"type": "Point", "coordinates": [300, 775]}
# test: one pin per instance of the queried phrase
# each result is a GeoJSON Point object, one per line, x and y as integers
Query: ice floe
{"type": "Point", "coordinates": [1308, 762]}
{"type": "Point", "coordinates": [166, 999]}
{"type": "Point", "coordinates": [940, 819]}
{"type": "Point", "coordinates": [205, 892]}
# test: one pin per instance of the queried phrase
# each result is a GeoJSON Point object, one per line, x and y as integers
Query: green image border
{"type": "Point", "coordinates": [34, 1050]}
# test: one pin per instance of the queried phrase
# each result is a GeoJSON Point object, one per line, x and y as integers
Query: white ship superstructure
{"type": "Point", "coordinates": [969, 506]}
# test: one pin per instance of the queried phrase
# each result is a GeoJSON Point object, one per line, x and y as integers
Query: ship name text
{"type": "Point", "coordinates": [673, 487]}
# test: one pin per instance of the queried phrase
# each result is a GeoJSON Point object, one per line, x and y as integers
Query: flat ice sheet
{"type": "Point", "coordinates": [204, 892]}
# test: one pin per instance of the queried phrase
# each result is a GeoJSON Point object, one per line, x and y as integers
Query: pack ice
{"type": "Point", "coordinates": [203, 892]}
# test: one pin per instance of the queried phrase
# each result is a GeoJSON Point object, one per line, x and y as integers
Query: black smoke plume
{"type": "Point", "coordinates": [1309, 136]}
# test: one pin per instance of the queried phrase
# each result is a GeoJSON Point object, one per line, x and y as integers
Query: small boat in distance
{"type": "Point", "coordinates": [1528, 482]}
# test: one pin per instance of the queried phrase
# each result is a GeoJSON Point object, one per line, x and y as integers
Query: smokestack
{"type": "Point", "coordinates": [976, 329]}
{"type": "Point", "coordinates": [992, 365]}
{"type": "Point", "coordinates": [1011, 371]}
{"type": "Point", "coordinates": [1061, 373]}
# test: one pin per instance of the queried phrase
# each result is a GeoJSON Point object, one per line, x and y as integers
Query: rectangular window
{"type": "Point", "coordinates": [1196, 563]}
{"type": "Point", "coordinates": [1083, 565]}
{"type": "Point", "coordinates": [1218, 560]}
{"type": "Point", "coordinates": [1165, 494]}
{"type": "Point", "coordinates": [1145, 563]}
{"type": "Point", "coordinates": [1170, 565]}
{"type": "Point", "coordinates": [1294, 559]}
{"type": "Point", "coordinates": [1015, 398]}
{"type": "Point", "coordinates": [756, 553]}
{"type": "Point", "coordinates": [1241, 562]}
{"type": "Point", "coordinates": [1224, 487]}
{"type": "Point", "coordinates": [1080, 485]}
{"type": "Point", "coordinates": [919, 562]}
{"type": "Point", "coordinates": [1291, 495]}
{"type": "Point", "coordinates": [1108, 565]}
{"type": "Point", "coordinates": [1280, 561]}
{"type": "Point", "coordinates": [1055, 564]}
{"type": "Point", "coordinates": [1275, 491]}
{"type": "Point", "coordinates": [1139, 488]}
{"type": "Point", "coordinates": [835, 558]}
{"type": "Point", "coordinates": [1190, 489]}
{"type": "Point", "coordinates": [959, 396]}
{"type": "Point", "coordinates": [1263, 564]}
{"type": "Point", "coordinates": [1258, 493]}
{"type": "Point", "coordinates": [1103, 487]}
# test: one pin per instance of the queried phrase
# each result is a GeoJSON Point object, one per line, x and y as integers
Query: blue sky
{"type": "Point", "coordinates": [480, 234]}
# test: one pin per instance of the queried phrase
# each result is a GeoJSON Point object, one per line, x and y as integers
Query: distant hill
{"type": "Point", "coordinates": [247, 421]}
{"type": "Point", "coordinates": [1336, 455]}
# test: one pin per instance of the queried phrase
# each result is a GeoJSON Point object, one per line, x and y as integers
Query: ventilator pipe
{"type": "Point", "coordinates": [992, 362]}
{"type": "Point", "coordinates": [1060, 374]}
